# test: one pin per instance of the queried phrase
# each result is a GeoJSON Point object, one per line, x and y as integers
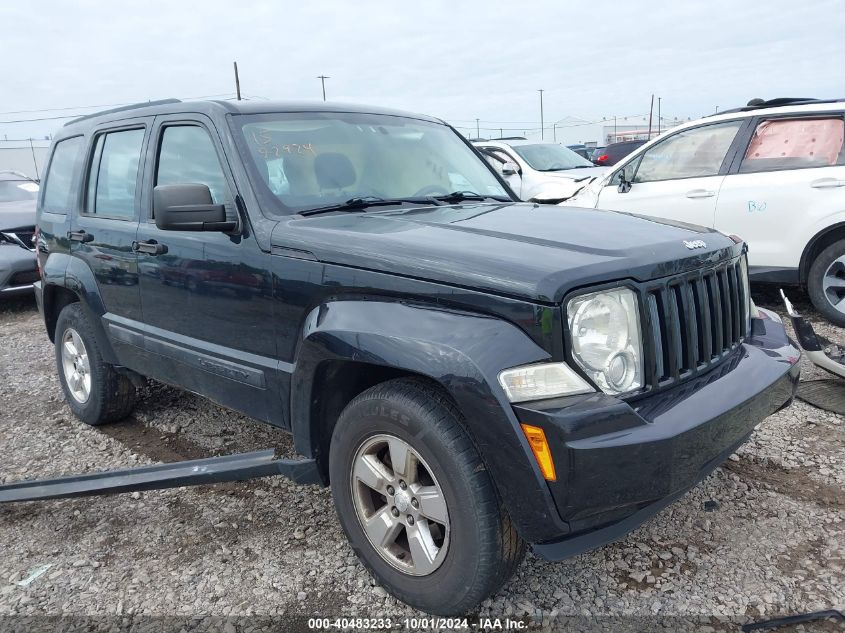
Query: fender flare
{"type": "Point", "coordinates": [64, 271]}
{"type": "Point", "coordinates": [463, 352]}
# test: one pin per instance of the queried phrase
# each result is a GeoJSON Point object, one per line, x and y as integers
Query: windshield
{"type": "Point", "coordinates": [550, 157]}
{"type": "Point", "coordinates": [300, 161]}
{"type": "Point", "coordinates": [17, 190]}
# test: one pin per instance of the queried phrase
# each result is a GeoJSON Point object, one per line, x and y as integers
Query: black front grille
{"type": "Point", "coordinates": [21, 236]}
{"type": "Point", "coordinates": [24, 278]}
{"type": "Point", "coordinates": [693, 322]}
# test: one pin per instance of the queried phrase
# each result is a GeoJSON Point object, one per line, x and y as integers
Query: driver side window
{"type": "Point", "coordinates": [692, 153]}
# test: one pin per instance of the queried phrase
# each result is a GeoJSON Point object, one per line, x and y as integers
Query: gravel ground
{"type": "Point", "coordinates": [762, 536]}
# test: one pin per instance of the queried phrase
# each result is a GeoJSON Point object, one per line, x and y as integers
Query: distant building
{"type": "Point", "coordinates": [623, 131]}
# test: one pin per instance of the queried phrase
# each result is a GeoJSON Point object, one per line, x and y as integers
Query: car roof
{"type": "Point", "coordinates": [513, 142]}
{"type": "Point", "coordinates": [633, 140]}
{"type": "Point", "coordinates": [795, 102]}
{"type": "Point", "coordinates": [175, 106]}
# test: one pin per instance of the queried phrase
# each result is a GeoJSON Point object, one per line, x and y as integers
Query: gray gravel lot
{"type": "Point", "coordinates": [772, 543]}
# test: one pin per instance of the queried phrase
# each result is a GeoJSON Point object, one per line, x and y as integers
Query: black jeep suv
{"type": "Point", "coordinates": [469, 373]}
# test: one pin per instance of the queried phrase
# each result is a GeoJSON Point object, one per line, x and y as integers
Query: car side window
{"type": "Point", "coordinates": [113, 176]}
{"type": "Point", "coordinates": [187, 155]}
{"type": "Point", "coordinates": [59, 178]}
{"type": "Point", "coordinates": [689, 154]}
{"type": "Point", "coordinates": [794, 144]}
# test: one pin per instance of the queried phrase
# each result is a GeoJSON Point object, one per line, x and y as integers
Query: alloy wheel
{"type": "Point", "coordinates": [76, 366]}
{"type": "Point", "coordinates": [400, 506]}
{"type": "Point", "coordinates": [833, 284]}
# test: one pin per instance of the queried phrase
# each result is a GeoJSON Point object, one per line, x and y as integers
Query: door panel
{"type": "Point", "coordinates": [789, 185]}
{"type": "Point", "coordinates": [690, 200]}
{"type": "Point", "coordinates": [207, 299]}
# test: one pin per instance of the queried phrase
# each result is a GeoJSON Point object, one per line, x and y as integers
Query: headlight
{"type": "Point", "coordinates": [606, 339]}
{"type": "Point", "coordinates": [746, 291]}
{"type": "Point", "coordinates": [547, 380]}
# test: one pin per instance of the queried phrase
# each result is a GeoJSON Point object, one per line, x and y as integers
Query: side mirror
{"type": "Point", "coordinates": [624, 185]}
{"type": "Point", "coordinates": [188, 207]}
{"type": "Point", "coordinates": [510, 169]}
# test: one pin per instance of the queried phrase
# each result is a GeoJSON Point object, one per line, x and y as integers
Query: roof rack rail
{"type": "Point", "coordinates": [758, 104]}
{"type": "Point", "coordinates": [510, 138]}
{"type": "Point", "coordinates": [132, 106]}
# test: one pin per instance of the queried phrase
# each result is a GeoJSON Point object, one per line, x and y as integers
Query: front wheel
{"type": "Point", "coordinates": [416, 502]}
{"type": "Point", "coordinates": [826, 283]}
{"type": "Point", "coordinates": [94, 390]}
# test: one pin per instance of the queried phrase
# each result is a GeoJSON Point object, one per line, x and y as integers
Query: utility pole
{"type": "Point", "coordinates": [659, 118]}
{"type": "Point", "coordinates": [477, 130]}
{"type": "Point", "coordinates": [717, 109]}
{"type": "Point", "coordinates": [650, 111]}
{"type": "Point", "coordinates": [541, 114]}
{"type": "Point", "coordinates": [322, 79]}
{"type": "Point", "coordinates": [237, 81]}
{"type": "Point", "coordinates": [615, 136]}
{"type": "Point", "coordinates": [34, 162]}
{"type": "Point", "coordinates": [554, 132]}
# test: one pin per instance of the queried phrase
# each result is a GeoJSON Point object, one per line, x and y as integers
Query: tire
{"type": "Point", "coordinates": [478, 551]}
{"type": "Point", "coordinates": [823, 267]}
{"type": "Point", "coordinates": [110, 395]}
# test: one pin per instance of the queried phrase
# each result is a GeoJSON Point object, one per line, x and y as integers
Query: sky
{"type": "Point", "coordinates": [455, 60]}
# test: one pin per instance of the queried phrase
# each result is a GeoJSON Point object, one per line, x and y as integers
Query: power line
{"type": "Point", "coordinates": [113, 105]}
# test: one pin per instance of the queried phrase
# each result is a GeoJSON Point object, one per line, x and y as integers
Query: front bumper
{"type": "Point", "coordinates": [18, 270]}
{"type": "Point", "coordinates": [619, 463]}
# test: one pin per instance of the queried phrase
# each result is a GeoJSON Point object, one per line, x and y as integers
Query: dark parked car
{"type": "Point", "coordinates": [582, 150]}
{"type": "Point", "coordinates": [615, 152]}
{"type": "Point", "coordinates": [17, 227]}
{"type": "Point", "coordinates": [469, 373]}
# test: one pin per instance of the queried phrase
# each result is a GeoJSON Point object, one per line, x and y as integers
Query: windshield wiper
{"type": "Point", "coordinates": [460, 196]}
{"type": "Point", "coordinates": [363, 202]}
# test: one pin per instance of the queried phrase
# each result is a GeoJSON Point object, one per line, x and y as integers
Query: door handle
{"type": "Point", "coordinates": [80, 236]}
{"type": "Point", "coordinates": [827, 183]}
{"type": "Point", "coordinates": [150, 247]}
{"type": "Point", "coordinates": [700, 193]}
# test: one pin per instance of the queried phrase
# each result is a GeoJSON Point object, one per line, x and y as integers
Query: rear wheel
{"type": "Point", "coordinates": [416, 502]}
{"type": "Point", "coordinates": [826, 283]}
{"type": "Point", "coordinates": [94, 390]}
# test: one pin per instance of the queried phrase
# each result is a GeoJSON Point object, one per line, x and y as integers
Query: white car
{"type": "Point", "coordinates": [538, 171]}
{"type": "Point", "coordinates": [772, 173]}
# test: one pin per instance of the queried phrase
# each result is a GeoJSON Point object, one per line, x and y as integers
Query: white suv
{"type": "Point", "coordinates": [772, 172]}
{"type": "Point", "coordinates": [538, 171]}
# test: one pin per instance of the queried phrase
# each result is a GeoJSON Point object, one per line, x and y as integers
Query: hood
{"type": "Point", "coordinates": [18, 214]}
{"type": "Point", "coordinates": [529, 251]}
{"type": "Point", "coordinates": [557, 186]}
{"type": "Point", "coordinates": [582, 173]}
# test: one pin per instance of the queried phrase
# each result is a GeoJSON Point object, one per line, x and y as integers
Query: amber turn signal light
{"type": "Point", "coordinates": [540, 447]}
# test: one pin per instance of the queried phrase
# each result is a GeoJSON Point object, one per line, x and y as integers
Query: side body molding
{"type": "Point", "coordinates": [461, 351]}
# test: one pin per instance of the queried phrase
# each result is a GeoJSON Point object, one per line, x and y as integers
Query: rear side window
{"type": "Point", "coordinates": [59, 178]}
{"type": "Point", "coordinates": [187, 155]}
{"type": "Point", "coordinates": [692, 153]}
{"type": "Point", "coordinates": [794, 144]}
{"type": "Point", "coordinates": [113, 176]}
